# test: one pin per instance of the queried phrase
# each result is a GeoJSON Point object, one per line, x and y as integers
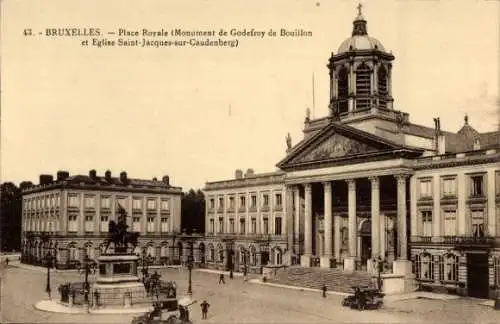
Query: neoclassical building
{"type": "Point", "coordinates": [366, 184]}
{"type": "Point", "coordinates": [68, 216]}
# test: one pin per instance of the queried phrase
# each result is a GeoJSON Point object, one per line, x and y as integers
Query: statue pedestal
{"type": "Point", "coordinates": [117, 281]}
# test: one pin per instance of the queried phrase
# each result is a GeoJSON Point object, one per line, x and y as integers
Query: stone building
{"type": "Point", "coordinates": [69, 216]}
{"type": "Point", "coordinates": [365, 185]}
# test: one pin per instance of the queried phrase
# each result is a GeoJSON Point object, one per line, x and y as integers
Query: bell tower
{"type": "Point", "coordinates": [360, 74]}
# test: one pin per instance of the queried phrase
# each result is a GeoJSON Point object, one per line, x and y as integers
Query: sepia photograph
{"type": "Point", "coordinates": [218, 161]}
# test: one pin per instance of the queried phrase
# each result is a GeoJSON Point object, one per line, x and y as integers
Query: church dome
{"type": "Point", "coordinates": [360, 39]}
{"type": "Point", "coordinates": [363, 42]}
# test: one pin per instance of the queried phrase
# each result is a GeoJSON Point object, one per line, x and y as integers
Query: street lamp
{"type": "Point", "coordinates": [190, 268]}
{"type": "Point", "coordinates": [147, 259]}
{"type": "Point", "coordinates": [48, 261]}
{"type": "Point", "coordinates": [245, 269]}
{"type": "Point", "coordinates": [87, 266]}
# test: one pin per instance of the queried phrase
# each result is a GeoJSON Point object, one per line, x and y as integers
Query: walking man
{"type": "Point", "coordinates": [324, 291]}
{"type": "Point", "coordinates": [231, 274]}
{"type": "Point", "coordinates": [221, 279]}
{"type": "Point", "coordinates": [204, 309]}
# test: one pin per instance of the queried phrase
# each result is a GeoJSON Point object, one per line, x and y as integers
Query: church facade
{"type": "Point", "coordinates": [366, 186]}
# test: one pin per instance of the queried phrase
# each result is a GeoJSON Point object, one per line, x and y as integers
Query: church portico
{"type": "Point", "coordinates": [349, 223]}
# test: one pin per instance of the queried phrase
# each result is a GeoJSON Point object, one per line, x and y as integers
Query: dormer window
{"type": "Point", "coordinates": [477, 145]}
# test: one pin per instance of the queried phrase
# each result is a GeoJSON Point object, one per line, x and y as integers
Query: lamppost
{"type": "Point", "coordinates": [190, 268]}
{"type": "Point", "coordinates": [147, 259]}
{"type": "Point", "coordinates": [48, 261]}
{"type": "Point", "coordinates": [87, 266]}
{"type": "Point", "coordinates": [245, 269]}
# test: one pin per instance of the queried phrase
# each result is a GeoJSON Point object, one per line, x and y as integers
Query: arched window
{"type": "Point", "coordinates": [164, 251]}
{"type": "Point", "coordinates": [72, 253]}
{"type": "Point", "coordinates": [448, 268]}
{"type": "Point", "coordinates": [382, 86]}
{"type": "Point", "coordinates": [363, 84]}
{"type": "Point", "coordinates": [151, 251]}
{"type": "Point", "coordinates": [424, 267]}
{"type": "Point", "coordinates": [278, 256]}
{"type": "Point", "coordinates": [211, 253]}
{"type": "Point", "coordinates": [220, 253]}
{"type": "Point", "coordinates": [343, 90]}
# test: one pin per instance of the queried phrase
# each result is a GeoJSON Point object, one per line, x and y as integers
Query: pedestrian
{"type": "Point", "coordinates": [324, 291]}
{"type": "Point", "coordinates": [231, 274]}
{"type": "Point", "coordinates": [97, 295]}
{"type": "Point", "coordinates": [7, 261]}
{"type": "Point", "coordinates": [204, 309]}
{"type": "Point", "coordinates": [221, 279]}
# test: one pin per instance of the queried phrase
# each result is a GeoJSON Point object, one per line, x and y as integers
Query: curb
{"type": "Point", "coordinates": [54, 307]}
{"type": "Point", "coordinates": [259, 282]}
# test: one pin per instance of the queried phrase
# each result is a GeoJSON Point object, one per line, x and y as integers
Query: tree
{"type": "Point", "coordinates": [193, 211]}
{"type": "Point", "coordinates": [11, 211]}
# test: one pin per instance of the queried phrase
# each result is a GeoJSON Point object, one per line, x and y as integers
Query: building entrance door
{"type": "Point", "coordinates": [477, 275]}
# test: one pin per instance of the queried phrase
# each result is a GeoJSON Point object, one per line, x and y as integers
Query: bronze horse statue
{"type": "Point", "coordinates": [120, 237]}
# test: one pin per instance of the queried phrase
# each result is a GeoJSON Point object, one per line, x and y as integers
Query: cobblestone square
{"type": "Point", "coordinates": [238, 302]}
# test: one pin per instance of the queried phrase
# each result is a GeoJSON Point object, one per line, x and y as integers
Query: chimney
{"type": "Point", "coordinates": [93, 174]}
{"type": "Point", "coordinates": [238, 174]}
{"type": "Point", "coordinates": [155, 179]}
{"type": "Point", "coordinates": [46, 179]}
{"type": "Point", "coordinates": [439, 140]}
{"type": "Point", "coordinates": [107, 175]}
{"type": "Point", "coordinates": [123, 177]}
{"type": "Point", "coordinates": [62, 175]}
{"type": "Point", "coordinates": [249, 173]}
{"type": "Point", "coordinates": [25, 185]}
{"type": "Point", "coordinates": [166, 180]}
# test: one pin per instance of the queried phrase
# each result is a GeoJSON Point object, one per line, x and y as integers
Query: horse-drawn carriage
{"type": "Point", "coordinates": [364, 298]}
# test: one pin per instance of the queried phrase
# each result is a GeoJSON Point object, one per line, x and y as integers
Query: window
{"type": "Point", "coordinates": [253, 203]}
{"type": "Point", "coordinates": [477, 186]}
{"type": "Point", "coordinates": [52, 201]}
{"type": "Point", "coordinates": [449, 187]}
{"type": "Point", "coordinates": [231, 225]}
{"type": "Point", "coordinates": [164, 251]}
{"type": "Point", "coordinates": [448, 268]}
{"type": "Point", "coordinates": [363, 84]}
{"type": "Point", "coordinates": [136, 224]}
{"type": "Point", "coordinates": [89, 223]}
{"type": "Point", "coordinates": [426, 223]}
{"type": "Point", "coordinates": [137, 203]}
{"type": "Point", "coordinates": [151, 204]}
{"type": "Point", "coordinates": [212, 226]}
{"type": "Point", "coordinates": [104, 223]}
{"type": "Point", "coordinates": [242, 226]}
{"type": "Point", "coordinates": [58, 201]}
{"type": "Point", "coordinates": [221, 225]}
{"type": "Point", "coordinates": [150, 224]}
{"type": "Point", "coordinates": [496, 267]}
{"type": "Point", "coordinates": [477, 222]}
{"type": "Point", "coordinates": [266, 226]}
{"type": "Point", "coordinates": [450, 222]}
{"type": "Point", "coordinates": [425, 188]}
{"type": "Point", "coordinates": [278, 200]}
{"type": "Point", "coordinates": [231, 202]}
{"type": "Point", "coordinates": [89, 202]}
{"type": "Point", "coordinates": [164, 224]}
{"type": "Point", "coordinates": [343, 89]}
{"type": "Point", "coordinates": [277, 226]}
{"type": "Point", "coordinates": [72, 223]}
{"type": "Point", "coordinates": [265, 200]}
{"type": "Point", "coordinates": [164, 205]}
{"type": "Point", "coordinates": [382, 86]}
{"type": "Point", "coordinates": [221, 202]}
{"type": "Point", "coordinates": [424, 267]}
{"type": "Point", "coordinates": [106, 202]}
{"type": "Point", "coordinates": [242, 202]}
{"type": "Point", "coordinates": [212, 203]}
{"type": "Point", "coordinates": [254, 226]}
{"type": "Point", "coordinates": [73, 201]}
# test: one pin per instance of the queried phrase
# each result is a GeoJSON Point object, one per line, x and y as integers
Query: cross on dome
{"type": "Point", "coordinates": [360, 6]}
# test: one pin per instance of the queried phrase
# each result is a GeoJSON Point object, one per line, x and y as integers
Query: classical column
{"type": "Point", "coordinates": [297, 216]}
{"type": "Point", "coordinates": [350, 262]}
{"type": "Point", "coordinates": [401, 181]}
{"type": "Point", "coordinates": [325, 259]}
{"type": "Point", "coordinates": [352, 217]}
{"type": "Point", "coordinates": [308, 220]}
{"type": "Point", "coordinates": [288, 222]}
{"type": "Point", "coordinates": [375, 221]}
{"type": "Point", "coordinates": [305, 259]}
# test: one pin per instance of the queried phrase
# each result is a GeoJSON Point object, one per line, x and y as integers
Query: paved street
{"type": "Point", "coordinates": [240, 302]}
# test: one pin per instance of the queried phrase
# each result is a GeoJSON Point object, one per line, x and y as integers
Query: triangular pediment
{"type": "Point", "coordinates": [334, 146]}
{"type": "Point", "coordinates": [337, 142]}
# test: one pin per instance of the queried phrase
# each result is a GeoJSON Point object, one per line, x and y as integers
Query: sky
{"type": "Point", "coordinates": [199, 113]}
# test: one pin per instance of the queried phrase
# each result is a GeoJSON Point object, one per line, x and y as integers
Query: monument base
{"type": "Point", "coordinates": [305, 261]}
{"type": "Point", "coordinates": [325, 262]}
{"type": "Point", "coordinates": [350, 264]}
{"type": "Point", "coordinates": [119, 294]}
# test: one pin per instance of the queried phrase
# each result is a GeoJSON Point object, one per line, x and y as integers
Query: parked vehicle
{"type": "Point", "coordinates": [168, 311]}
{"type": "Point", "coordinates": [364, 298]}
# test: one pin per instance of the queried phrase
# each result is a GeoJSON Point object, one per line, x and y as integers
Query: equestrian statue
{"type": "Point", "coordinates": [118, 234]}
